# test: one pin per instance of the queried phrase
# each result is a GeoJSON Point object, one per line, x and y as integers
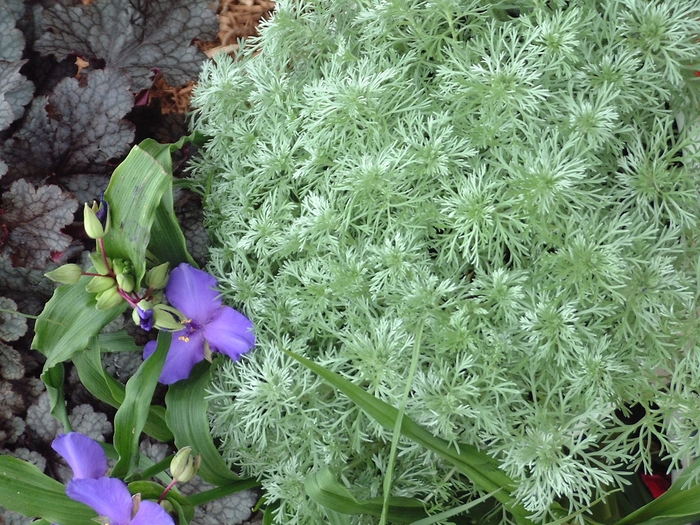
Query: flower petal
{"type": "Point", "coordinates": [193, 292]}
{"type": "Point", "coordinates": [230, 333]}
{"type": "Point", "coordinates": [85, 456]}
{"type": "Point", "coordinates": [151, 514]}
{"type": "Point", "coordinates": [181, 358]}
{"type": "Point", "coordinates": [107, 496]}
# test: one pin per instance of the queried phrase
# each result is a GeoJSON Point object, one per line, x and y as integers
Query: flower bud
{"type": "Point", "coordinates": [183, 467]}
{"type": "Point", "coordinates": [93, 226]}
{"type": "Point", "coordinates": [108, 299]}
{"type": "Point", "coordinates": [142, 315]}
{"type": "Point", "coordinates": [118, 266]}
{"type": "Point", "coordinates": [102, 212]}
{"type": "Point", "coordinates": [157, 277]}
{"type": "Point", "coordinates": [167, 506]}
{"type": "Point", "coordinates": [168, 318]}
{"type": "Point", "coordinates": [99, 263]}
{"type": "Point", "coordinates": [208, 354]}
{"type": "Point", "coordinates": [66, 274]}
{"type": "Point", "coordinates": [100, 283]}
{"type": "Point", "coordinates": [125, 282]}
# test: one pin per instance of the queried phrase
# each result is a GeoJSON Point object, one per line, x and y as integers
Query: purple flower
{"type": "Point", "coordinates": [145, 318]}
{"type": "Point", "coordinates": [210, 326]}
{"type": "Point", "coordinates": [109, 497]}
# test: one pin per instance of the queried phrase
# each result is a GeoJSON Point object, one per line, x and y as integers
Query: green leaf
{"type": "Point", "coordinates": [53, 379]}
{"type": "Point", "coordinates": [187, 418]}
{"type": "Point", "coordinates": [118, 341]}
{"type": "Point", "coordinates": [141, 210]}
{"type": "Point", "coordinates": [68, 321]}
{"type": "Point", "coordinates": [131, 417]}
{"type": "Point", "coordinates": [107, 389]}
{"type": "Point", "coordinates": [152, 491]}
{"type": "Point", "coordinates": [268, 518]}
{"type": "Point", "coordinates": [481, 469]}
{"type": "Point", "coordinates": [442, 516]}
{"type": "Point", "coordinates": [324, 489]}
{"type": "Point", "coordinates": [25, 489]}
{"type": "Point", "coordinates": [676, 506]}
{"type": "Point", "coordinates": [200, 498]}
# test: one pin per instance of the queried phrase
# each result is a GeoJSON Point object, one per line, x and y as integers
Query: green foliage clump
{"type": "Point", "coordinates": [515, 185]}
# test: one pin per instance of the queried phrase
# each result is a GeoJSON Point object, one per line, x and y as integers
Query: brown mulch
{"type": "Point", "coordinates": [237, 19]}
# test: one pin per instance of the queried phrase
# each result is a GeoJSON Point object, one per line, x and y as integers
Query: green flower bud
{"type": "Point", "coordinates": [168, 318]}
{"type": "Point", "coordinates": [99, 263]}
{"type": "Point", "coordinates": [125, 282]}
{"type": "Point", "coordinates": [167, 506]}
{"type": "Point", "coordinates": [100, 283]}
{"type": "Point", "coordinates": [157, 278]}
{"type": "Point", "coordinates": [93, 226]}
{"type": "Point", "coordinates": [108, 299]}
{"type": "Point", "coordinates": [118, 266]}
{"type": "Point", "coordinates": [66, 274]}
{"type": "Point", "coordinates": [208, 354]}
{"type": "Point", "coordinates": [183, 467]}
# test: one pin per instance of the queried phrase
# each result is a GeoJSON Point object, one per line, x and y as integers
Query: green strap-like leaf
{"type": "Point", "coordinates": [131, 417]}
{"type": "Point", "coordinates": [68, 321]}
{"type": "Point", "coordinates": [200, 498]}
{"type": "Point", "coordinates": [53, 379]}
{"type": "Point", "coordinates": [324, 489]}
{"type": "Point", "coordinates": [119, 341]}
{"type": "Point", "coordinates": [25, 489]}
{"type": "Point", "coordinates": [187, 418]}
{"type": "Point", "coordinates": [481, 469]}
{"type": "Point", "coordinates": [107, 389]}
{"type": "Point", "coordinates": [676, 506]}
{"type": "Point", "coordinates": [141, 209]}
{"type": "Point", "coordinates": [152, 491]}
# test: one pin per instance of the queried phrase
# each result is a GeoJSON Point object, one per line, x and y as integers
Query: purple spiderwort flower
{"type": "Point", "coordinates": [210, 326]}
{"type": "Point", "coordinates": [109, 497]}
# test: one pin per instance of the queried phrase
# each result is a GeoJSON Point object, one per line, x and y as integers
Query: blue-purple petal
{"type": "Point", "coordinates": [146, 318]}
{"type": "Point", "coordinates": [84, 455]}
{"type": "Point", "coordinates": [193, 292]}
{"type": "Point", "coordinates": [151, 513]}
{"type": "Point", "coordinates": [181, 358]}
{"type": "Point", "coordinates": [107, 496]}
{"type": "Point", "coordinates": [230, 333]}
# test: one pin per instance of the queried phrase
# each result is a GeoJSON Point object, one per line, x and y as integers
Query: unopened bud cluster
{"type": "Point", "coordinates": [114, 281]}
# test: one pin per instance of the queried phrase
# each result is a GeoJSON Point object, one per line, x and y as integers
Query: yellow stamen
{"type": "Point", "coordinates": [184, 338]}
{"type": "Point", "coordinates": [185, 321]}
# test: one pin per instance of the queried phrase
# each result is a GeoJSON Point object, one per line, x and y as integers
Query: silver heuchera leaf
{"type": "Point", "coordinates": [11, 38]}
{"type": "Point", "coordinates": [138, 36]}
{"type": "Point", "coordinates": [15, 92]}
{"type": "Point", "coordinates": [74, 131]}
{"type": "Point", "coordinates": [12, 325]}
{"type": "Point", "coordinates": [10, 363]}
{"type": "Point", "coordinates": [33, 219]}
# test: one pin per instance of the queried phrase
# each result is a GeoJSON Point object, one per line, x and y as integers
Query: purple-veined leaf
{"type": "Point", "coordinates": [32, 220]}
{"type": "Point", "coordinates": [75, 132]}
{"type": "Point", "coordinates": [139, 36]}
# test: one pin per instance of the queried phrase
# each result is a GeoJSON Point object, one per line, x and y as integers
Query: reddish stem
{"type": "Point", "coordinates": [167, 489]}
{"type": "Point", "coordinates": [101, 242]}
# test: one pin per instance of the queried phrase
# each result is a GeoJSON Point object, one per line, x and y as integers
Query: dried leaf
{"type": "Point", "coordinates": [76, 130]}
{"type": "Point", "coordinates": [33, 219]}
{"type": "Point", "coordinates": [139, 36]}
